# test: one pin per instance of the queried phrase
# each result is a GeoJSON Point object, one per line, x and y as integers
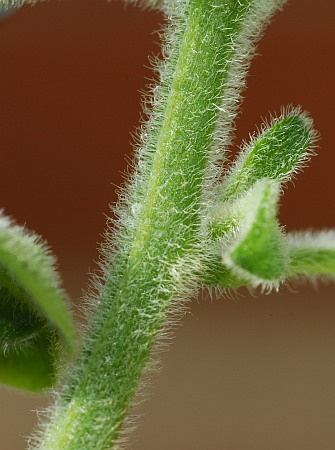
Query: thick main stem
{"type": "Point", "coordinates": [159, 243]}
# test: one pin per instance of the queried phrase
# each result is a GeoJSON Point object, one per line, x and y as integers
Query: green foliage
{"type": "Point", "coordinates": [183, 221]}
{"type": "Point", "coordinates": [248, 245]}
{"type": "Point", "coordinates": [278, 152]}
{"type": "Point", "coordinates": [258, 253]}
{"type": "Point", "coordinates": [34, 311]}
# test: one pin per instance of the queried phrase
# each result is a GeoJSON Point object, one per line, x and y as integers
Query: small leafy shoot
{"type": "Point", "coordinates": [281, 149]}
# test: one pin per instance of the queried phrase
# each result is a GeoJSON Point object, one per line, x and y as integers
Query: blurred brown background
{"type": "Point", "coordinates": [242, 374]}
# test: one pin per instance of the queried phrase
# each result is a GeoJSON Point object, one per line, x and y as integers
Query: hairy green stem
{"type": "Point", "coordinates": [159, 245]}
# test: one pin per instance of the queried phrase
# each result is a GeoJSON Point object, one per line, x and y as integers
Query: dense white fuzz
{"type": "Point", "coordinates": [176, 223]}
{"type": "Point", "coordinates": [153, 253]}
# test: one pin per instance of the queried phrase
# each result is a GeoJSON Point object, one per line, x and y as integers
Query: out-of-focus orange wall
{"type": "Point", "coordinates": [250, 374]}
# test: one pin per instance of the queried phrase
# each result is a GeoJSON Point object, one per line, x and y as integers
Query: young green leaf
{"type": "Point", "coordinates": [257, 253]}
{"type": "Point", "coordinates": [33, 310]}
{"type": "Point", "coordinates": [311, 253]}
{"type": "Point", "coordinates": [246, 245]}
{"type": "Point", "coordinates": [277, 152]}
